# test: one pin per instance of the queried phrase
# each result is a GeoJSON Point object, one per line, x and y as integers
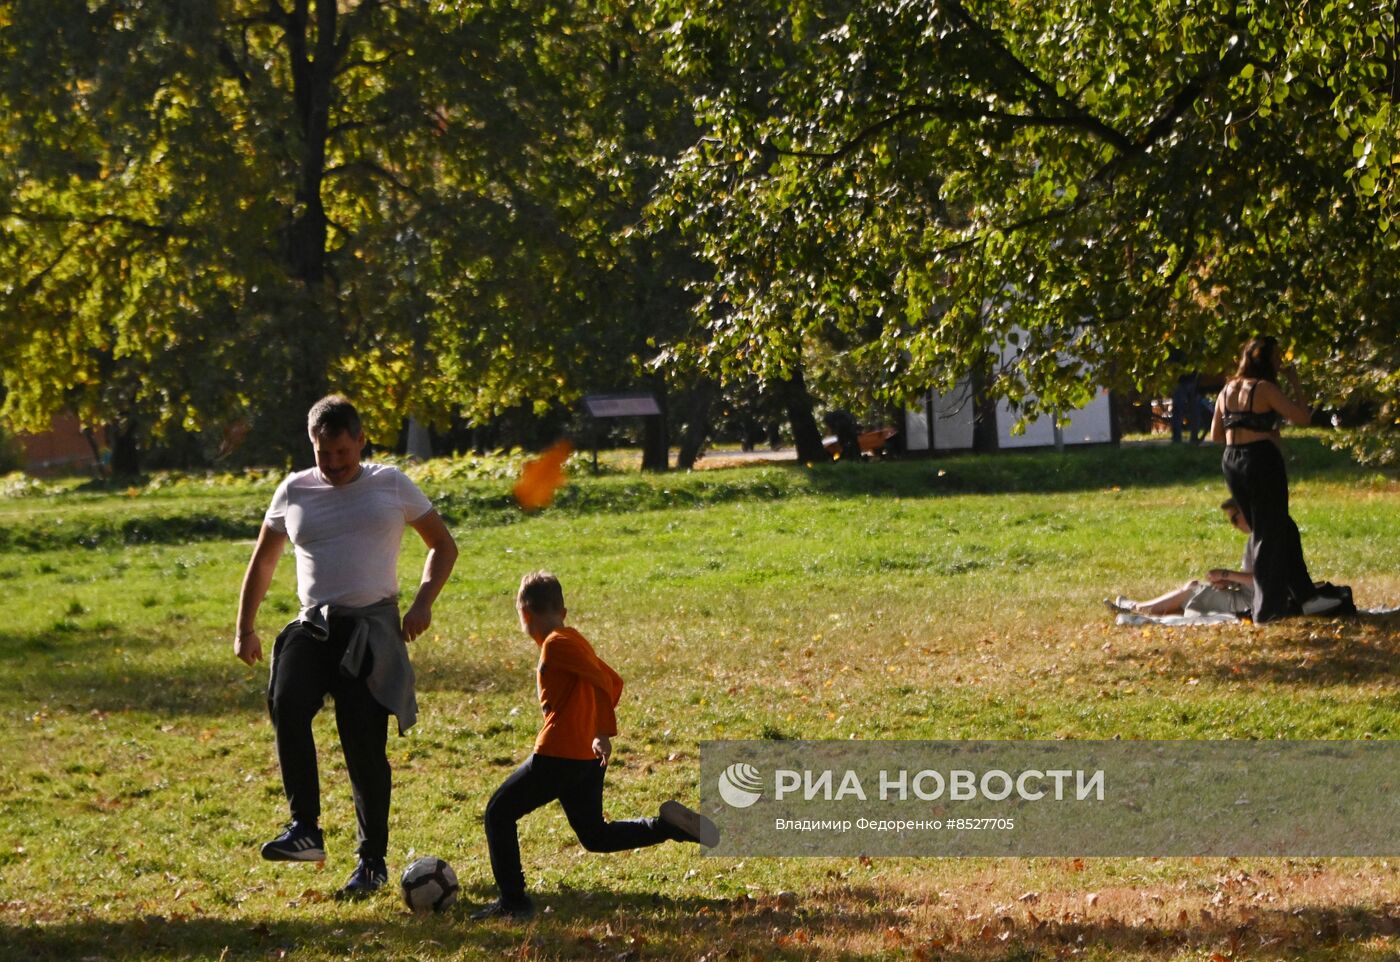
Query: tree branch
{"type": "Point", "coordinates": [99, 220]}
{"type": "Point", "coordinates": [231, 64]}
{"type": "Point", "coordinates": [962, 110]}
{"type": "Point", "coordinates": [1043, 87]}
{"type": "Point", "coordinates": [369, 166]}
{"type": "Point", "coordinates": [1189, 93]}
{"type": "Point", "coordinates": [32, 284]}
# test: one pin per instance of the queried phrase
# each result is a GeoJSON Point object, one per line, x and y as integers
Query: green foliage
{"type": "Point", "coordinates": [214, 213]}
{"type": "Point", "coordinates": [921, 184]}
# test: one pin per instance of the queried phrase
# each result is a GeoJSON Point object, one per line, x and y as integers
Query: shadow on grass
{"type": "Point", "coordinates": [1308, 651]}
{"type": "Point", "coordinates": [1076, 469]}
{"type": "Point", "coordinates": [114, 530]}
{"type": "Point", "coordinates": [849, 924]}
{"type": "Point", "coordinates": [106, 670]}
{"type": "Point", "coordinates": [489, 503]}
{"type": "Point", "coordinates": [435, 672]}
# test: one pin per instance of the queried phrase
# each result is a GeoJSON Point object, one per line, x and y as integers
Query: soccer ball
{"type": "Point", "coordinates": [429, 885]}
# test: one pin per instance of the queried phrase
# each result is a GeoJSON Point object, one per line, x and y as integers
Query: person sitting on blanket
{"type": "Point", "coordinates": [1224, 592]}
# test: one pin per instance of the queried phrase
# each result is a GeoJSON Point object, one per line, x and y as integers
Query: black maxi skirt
{"type": "Point", "coordinates": [1258, 480]}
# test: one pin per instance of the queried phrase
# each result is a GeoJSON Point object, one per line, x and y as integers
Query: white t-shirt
{"type": "Point", "coordinates": [347, 538]}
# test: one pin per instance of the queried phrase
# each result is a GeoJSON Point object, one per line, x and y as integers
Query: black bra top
{"type": "Point", "coordinates": [1265, 422]}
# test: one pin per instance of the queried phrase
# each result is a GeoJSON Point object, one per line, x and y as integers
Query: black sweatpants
{"type": "Point", "coordinates": [578, 785]}
{"type": "Point", "coordinates": [1258, 480]}
{"type": "Point", "coordinates": [305, 669]}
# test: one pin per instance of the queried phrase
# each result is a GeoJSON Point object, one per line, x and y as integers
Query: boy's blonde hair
{"type": "Point", "coordinates": [541, 593]}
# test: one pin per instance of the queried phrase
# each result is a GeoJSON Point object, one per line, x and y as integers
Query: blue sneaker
{"type": "Point", "coordinates": [369, 877]}
{"type": "Point", "coordinates": [299, 843]}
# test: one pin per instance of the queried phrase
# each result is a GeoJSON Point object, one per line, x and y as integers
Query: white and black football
{"type": "Point", "coordinates": [429, 885]}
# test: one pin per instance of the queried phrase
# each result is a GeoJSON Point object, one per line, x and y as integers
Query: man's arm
{"type": "Point", "coordinates": [442, 555]}
{"type": "Point", "coordinates": [246, 643]}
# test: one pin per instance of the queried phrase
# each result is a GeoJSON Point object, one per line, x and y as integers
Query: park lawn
{"type": "Point", "coordinates": [956, 598]}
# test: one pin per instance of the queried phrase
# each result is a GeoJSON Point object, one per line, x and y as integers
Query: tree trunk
{"type": "Point", "coordinates": [898, 444]}
{"type": "Point", "coordinates": [697, 424]}
{"type": "Point", "coordinates": [793, 396]}
{"type": "Point", "coordinates": [316, 337]}
{"type": "Point", "coordinates": [656, 435]}
{"type": "Point", "coordinates": [126, 448]}
{"type": "Point", "coordinates": [100, 469]}
{"type": "Point", "coordinates": [984, 407]}
{"type": "Point", "coordinates": [311, 92]}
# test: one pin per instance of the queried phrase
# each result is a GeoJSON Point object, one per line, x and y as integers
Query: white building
{"type": "Point", "coordinates": [952, 424]}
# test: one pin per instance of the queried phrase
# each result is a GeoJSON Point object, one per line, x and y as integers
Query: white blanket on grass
{"type": "Point", "coordinates": [1190, 620]}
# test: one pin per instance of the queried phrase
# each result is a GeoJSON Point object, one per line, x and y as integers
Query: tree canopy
{"type": "Point", "coordinates": [211, 213]}
{"type": "Point", "coordinates": [1120, 190]}
{"type": "Point", "coordinates": [214, 212]}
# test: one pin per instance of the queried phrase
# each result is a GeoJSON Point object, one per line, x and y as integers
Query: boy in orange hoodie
{"type": "Point", "coordinates": [578, 694]}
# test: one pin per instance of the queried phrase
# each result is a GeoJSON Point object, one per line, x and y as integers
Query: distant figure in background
{"type": "Point", "coordinates": [847, 431]}
{"type": "Point", "coordinates": [1248, 413]}
{"type": "Point", "coordinates": [1223, 592]}
{"type": "Point", "coordinates": [1186, 408]}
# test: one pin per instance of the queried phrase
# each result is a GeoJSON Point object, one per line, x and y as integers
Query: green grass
{"type": "Point", "coordinates": [956, 598]}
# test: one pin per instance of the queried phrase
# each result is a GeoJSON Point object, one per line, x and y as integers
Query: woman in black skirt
{"type": "Point", "coordinates": [1248, 413]}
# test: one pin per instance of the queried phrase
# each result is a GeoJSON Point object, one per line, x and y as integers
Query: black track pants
{"type": "Point", "coordinates": [578, 785]}
{"type": "Point", "coordinates": [305, 670]}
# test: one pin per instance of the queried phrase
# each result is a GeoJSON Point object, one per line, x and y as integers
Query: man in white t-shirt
{"type": "Point", "coordinates": [346, 520]}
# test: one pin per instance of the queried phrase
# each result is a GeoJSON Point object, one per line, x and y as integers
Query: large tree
{"type": "Point", "coordinates": [215, 212]}
{"type": "Point", "coordinates": [595, 120]}
{"type": "Point", "coordinates": [1092, 183]}
{"type": "Point", "coordinates": [193, 193]}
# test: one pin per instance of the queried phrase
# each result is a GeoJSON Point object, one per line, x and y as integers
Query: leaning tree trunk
{"type": "Point", "coordinates": [697, 424]}
{"type": "Point", "coordinates": [792, 394]}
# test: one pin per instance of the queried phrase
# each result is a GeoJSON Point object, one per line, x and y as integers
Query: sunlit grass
{"type": "Point", "coordinates": [933, 599]}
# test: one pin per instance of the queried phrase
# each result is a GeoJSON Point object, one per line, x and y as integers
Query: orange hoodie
{"type": "Point", "coordinates": [578, 693]}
